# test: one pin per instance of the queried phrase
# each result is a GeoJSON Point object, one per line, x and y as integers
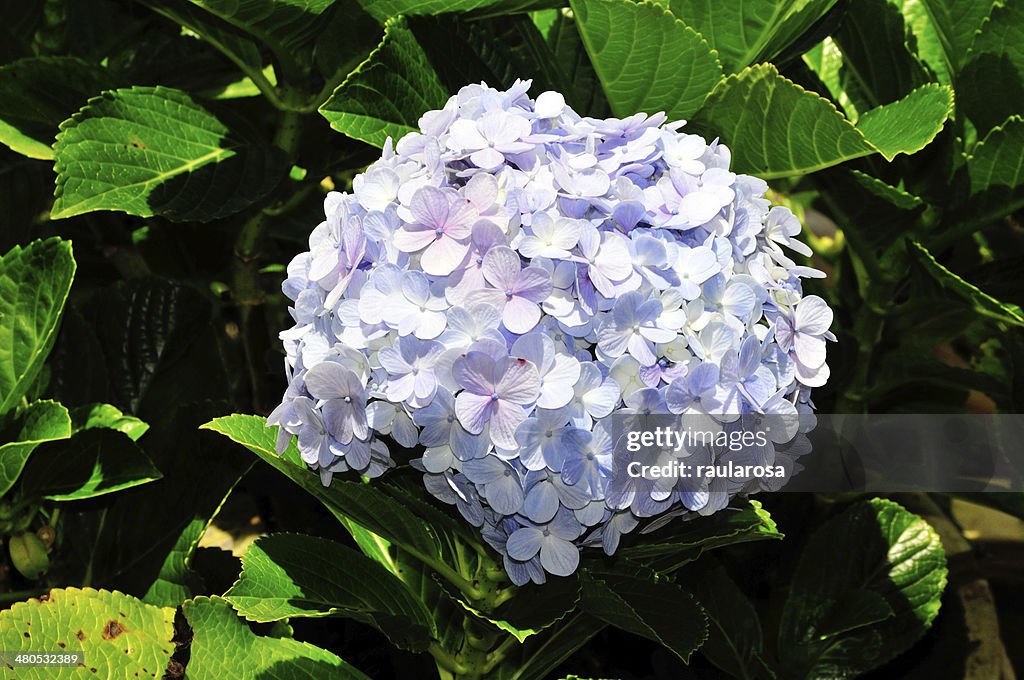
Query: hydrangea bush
{"type": "Point", "coordinates": [501, 282]}
{"type": "Point", "coordinates": [505, 281]}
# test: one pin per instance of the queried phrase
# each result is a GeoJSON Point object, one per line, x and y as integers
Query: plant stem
{"type": "Point", "coordinates": [498, 654]}
{"type": "Point", "coordinates": [444, 660]}
{"type": "Point", "coordinates": [21, 595]}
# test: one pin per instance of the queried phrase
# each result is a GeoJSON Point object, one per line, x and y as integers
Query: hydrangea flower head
{"type": "Point", "coordinates": [502, 283]}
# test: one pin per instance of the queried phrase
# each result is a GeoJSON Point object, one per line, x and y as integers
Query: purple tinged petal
{"type": "Point", "coordinates": [328, 380]}
{"type": "Point", "coordinates": [474, 410]}
{"type": "Point", "coordinates": [558, 557]}
{"type": "Point", "coordinates": [541, 502]}
{"type": "Point", "coordinates": [519, 382]}
{"type": "Point", "coordinates": [429, 206]}
{"type": "Point", "coordinates": [524, 543]}
{"type": "Point", "coordinates": [476, 372]}
{"type": "Point", "coordinates": [533, 284]}
{"type": "Point", "coordinates": [505, 495]}
{"type": "Point", "coordinates": [501, 267]}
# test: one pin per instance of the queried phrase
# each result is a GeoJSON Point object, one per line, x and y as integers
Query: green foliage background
{"type": "Point", "coordinates": [161, 162]}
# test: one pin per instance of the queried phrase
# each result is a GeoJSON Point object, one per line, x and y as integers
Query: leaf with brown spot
{"type": "Point", "coordinates": [112, 630]}
{"type": "Point", "coordinates": [120, 635]}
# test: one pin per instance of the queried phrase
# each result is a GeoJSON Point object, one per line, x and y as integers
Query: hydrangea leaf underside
{"type": "Point", "coordinates": [152, 151]}
{"type": "Point", "coordinates": [646, 58]}
{"type": "Point", "coordinates": [224, 647]}
{"type": "Point", "coordinates": [778, 129]}
{"type": "Point", "coordinates": [868, 584]}
{"type": "Point", "coordinates": [119, 635]}
{"type": "Point", "coordinates": [289, 575]}
{"type": "Point", "coordinates": [387, 93]}
{"type": "Point", "coordinates": [34, 285]}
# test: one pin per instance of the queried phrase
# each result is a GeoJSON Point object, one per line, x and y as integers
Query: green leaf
{"type": "Point", "coordinates": [875, 215]}
{"type": "Point", "coordinates": [119, 635]}
{"type": "Point", "coordinates": [39, 93]}
{"type": "Point", "coordinates": [908, 125]}
{"type": "Point", "coordinates": [684, 542]}
{"type": "Point", "coordinates": [282, 21]}
{"type": "Point", "coordinates": [286, 575]}
{"type": "Point", "coordinates": [775, 128]}
{"type": "Point", "coordinates": [658, 610]}
{"type": "Point", "coordinates": [533, 609]}
{"type": "Point", "coordinates": [735, 641]}
{"type": "Point", "coordinates": [34, 284]}
{"type": "Point", "coordinates": [382, 10]}
{"type": "Point", "coordinates": [983, 303]}
{"type": "Point", "coordinates": [372, 545]}
{"type": "Point", "coordinates": [343, 44]}
{"type": "Point", "coordinates": [745, 33]}
{"type": "Point", "coordinates": [893, 196]}
{"type": "Point", "coordinates": [95, 462]}
{"type": "Point", "coordinates": [239, 48]}
{"type": "Point", "coordinates": [646, 58]}
{"type": "Point", "coordinates": [386, 95]}
{"type": "Point", "coordinates": [955, 23]}
{"type": "Point", "coordinates": [365, 504]}
{"type": "Point", "coordinates": [925, 37]}
{"type": "Point", "coordinates": [542, 654]}
{"type": "Point", "coordinates": [995, 64]}
{"type": "Point", "coordinates": [826, 61]}
{"type": "Point", "coordinates": [878, 67]}
{"type": "Point", "coordinates": [290, 29]}
{"type": "Point", "coordinates": [107, 417]}
{"type": "Point", "coordinates": [152, 151]}
{"type": "Point", "coordinates": [995, 173]}
{"type": "Point", "coordinates": [177, 581]}
{"type": "Point", "coordinates": [874, 555]}
{"type": "Point", "coordinates": [224, 647]}
{"type": "Point", "coordinates": [44, 421]}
